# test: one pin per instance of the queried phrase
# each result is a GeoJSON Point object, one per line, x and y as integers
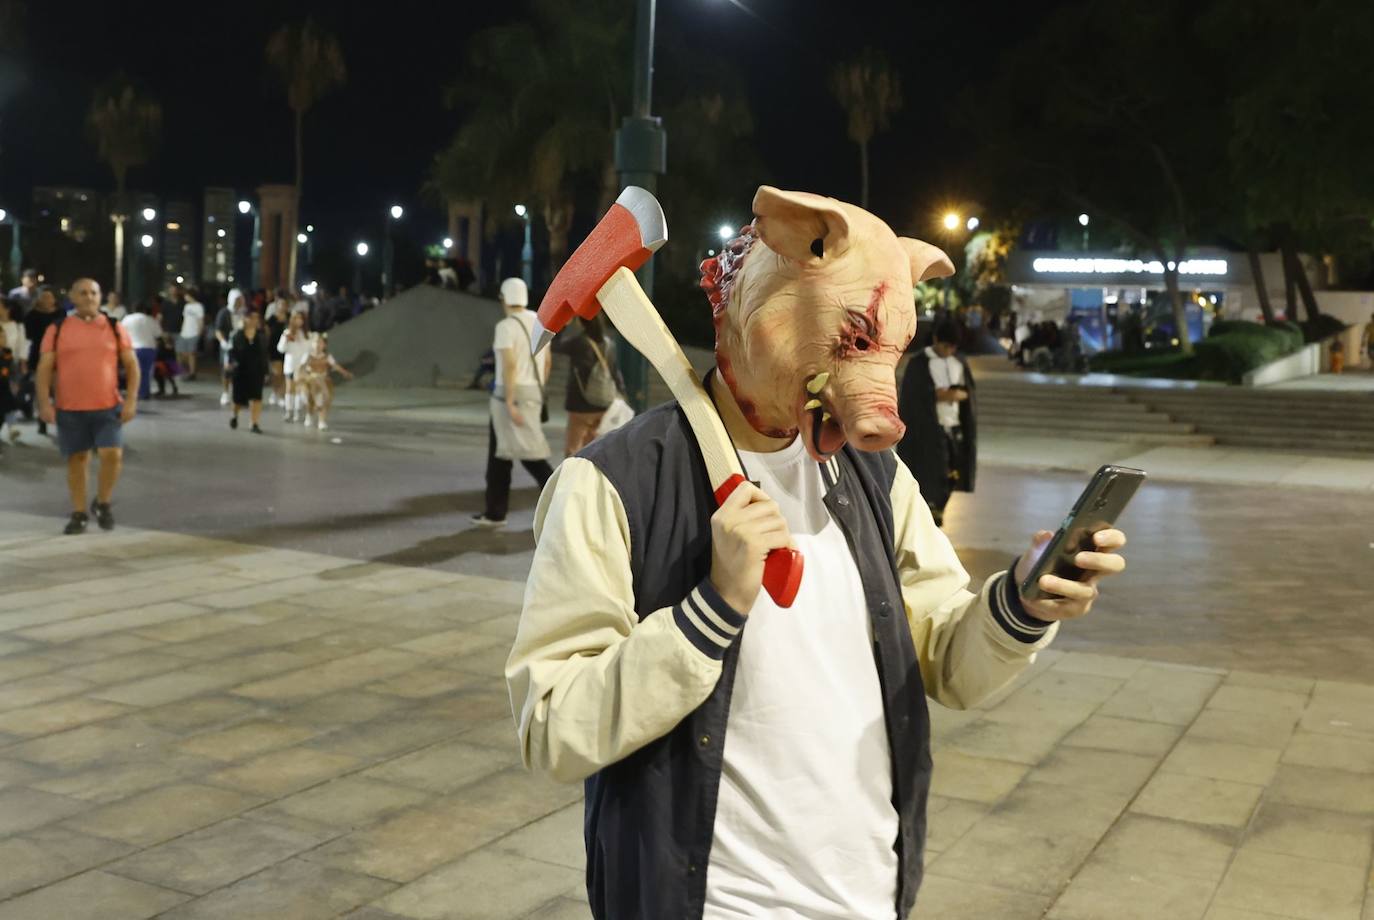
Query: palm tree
{"type": "Point", "coordinates": [126, 127]}
{"type": "Point", "coordinates": [309, 63]}
{"type": "Point", "coordinates": [869, 91]}
{"type": "Point", "coordinates": [543, 98]}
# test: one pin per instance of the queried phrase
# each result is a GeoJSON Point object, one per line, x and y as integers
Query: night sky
{"type": "Point", "coordinates": [371, 142]}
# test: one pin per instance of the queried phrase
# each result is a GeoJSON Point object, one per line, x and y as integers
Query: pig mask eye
{"type": "Point", "coordinates": [861, 335]}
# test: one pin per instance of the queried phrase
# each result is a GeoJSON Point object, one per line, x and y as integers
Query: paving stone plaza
{"type": "Point", "coordinates": [275, 691]}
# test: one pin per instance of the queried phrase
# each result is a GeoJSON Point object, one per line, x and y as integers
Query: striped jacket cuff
{"type": "Point", "coordinates": [1011, 614]}
{"type": "Point", "coordinates": [707, 620]}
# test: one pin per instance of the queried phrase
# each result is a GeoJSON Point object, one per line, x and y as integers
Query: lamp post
{"type": "Point", "coordinates": [361, 250]}
{"type": "Point", "coordinates": [255, 248]}
{"type": "Point", "coordinates": [640, 158]}
{"type": "Point", "coordinates": [527, 250]}
{"type": "Point", "coordinates": [1083, 222]}
{"type": "Point", "coordinates": [389, 254]}
{"type": "Point", "coordinates": [15, 255]}
{"type": "Point", "coordinates": [950, 222]}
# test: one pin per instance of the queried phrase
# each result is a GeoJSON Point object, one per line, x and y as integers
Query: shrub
{"type": "Point", "coordinates": [1230, 355]}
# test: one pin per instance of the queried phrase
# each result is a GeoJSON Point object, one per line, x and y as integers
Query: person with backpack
{"type": "Point", "coordinates": [85, 351]}
{"type": "Point", "coordinates": [593, 382]}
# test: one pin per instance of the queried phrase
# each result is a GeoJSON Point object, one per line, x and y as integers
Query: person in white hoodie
{"type": "Point", "coordinates": [295, 346]}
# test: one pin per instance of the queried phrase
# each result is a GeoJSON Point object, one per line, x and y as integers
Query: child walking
{"type": "Point", "coordinates": [313, 376]}
{"type": "Point", "coordinates": [294, 346]}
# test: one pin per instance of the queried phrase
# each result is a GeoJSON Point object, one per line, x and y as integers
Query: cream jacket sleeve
{"type": "Point", "coordinates": [969, 645]}
{"type": "Point", "coordinates": [590, 681]}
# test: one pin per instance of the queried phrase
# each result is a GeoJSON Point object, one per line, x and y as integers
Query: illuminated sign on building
{"type": "Point", "coordinates": [1060, 266]}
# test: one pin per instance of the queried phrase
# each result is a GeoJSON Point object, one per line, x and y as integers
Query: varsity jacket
{"type": "Point", "coordinates": [625, 655]}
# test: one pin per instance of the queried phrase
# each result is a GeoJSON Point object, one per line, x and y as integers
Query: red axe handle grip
{"type": "Point", "coordinates": [782, 571]}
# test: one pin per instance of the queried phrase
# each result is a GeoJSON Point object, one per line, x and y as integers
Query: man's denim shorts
{"type": "Point", "coordinates": [78, 431]}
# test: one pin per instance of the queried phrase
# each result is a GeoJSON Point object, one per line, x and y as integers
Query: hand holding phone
{"type": "Point", "coordinates": [1060, 581]}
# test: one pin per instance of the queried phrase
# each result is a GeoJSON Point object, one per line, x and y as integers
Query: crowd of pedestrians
{"type": "Point", "coordinates": [70, 361]}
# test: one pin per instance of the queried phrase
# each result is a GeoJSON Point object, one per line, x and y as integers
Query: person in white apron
{"type": "Point", "coordinates": [517, 403]}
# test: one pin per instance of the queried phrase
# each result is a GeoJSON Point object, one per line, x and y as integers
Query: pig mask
{"type": "Point", "coordinates": [813, 308]}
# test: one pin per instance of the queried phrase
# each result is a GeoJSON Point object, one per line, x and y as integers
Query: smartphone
{"type": "Point", "coordinates": [1097, 509]}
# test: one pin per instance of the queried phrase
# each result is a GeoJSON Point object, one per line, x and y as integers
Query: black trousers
{"type": "Point", "coordinates": [498, 477]}
{"type": "Point", "coordinates": [955, 461]}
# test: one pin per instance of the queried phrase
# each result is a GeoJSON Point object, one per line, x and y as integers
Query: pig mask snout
{"type": "Point", "coordinates": [877, 430]}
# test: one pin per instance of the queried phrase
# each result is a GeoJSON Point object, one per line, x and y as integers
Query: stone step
{"type": "Point", "coordinates": [1156, 438]}
{"type": "Point", "coordinates": [1106, 426]}
{"type": "Point", "coordinates": [1314, 435]}
{"type": "Point", "coordinates": [1298, 446]}
{"type": "Point", "coordinates": [1066, 404]}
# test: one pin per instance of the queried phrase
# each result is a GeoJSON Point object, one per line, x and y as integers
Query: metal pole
{"type": "Point", "coordinates": [257, 248]}
{"type": "Point", "coordinates": [640, 157]}
{"type": "Point", "coordinates": [527, 257]}
{"type": "Point", "coordinates": [16, 255]}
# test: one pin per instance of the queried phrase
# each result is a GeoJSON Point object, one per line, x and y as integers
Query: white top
{"type": "Point", "coordinates": [143, 330]}
{"type": "Point", "coordinates": [118, 312]}
{"type": "Point", "coordinates": [805, 826]}
{"type": "Point", "coordinates": [16, 340]}
{"type": "Point", "coordinates": [192, 320]}
{"type": "Point", "coordinates": [295, 351]}
{"type": "Point", "coordinates": [945, 373]}
{"type": "Point", "coordinates": [508, 335]}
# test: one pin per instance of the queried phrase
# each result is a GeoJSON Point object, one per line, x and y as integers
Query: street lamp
{"type": "Point", "coordinates": [1083, 222]}
{"type": "Point", "coordinates": [526, 251]}
{"type": "Point", "coordinates": [389, 254]}
{"type": "Point", "coordinates": [255, 250]}
{"type": "Point", "coordinates": [448, 242]}
{"type": "Point", "coordinates": [952, 221]}
{"type": "Point", "coordinates": [725, 232]}
{"type": "Point", "coordinates": [149, 214]}
{"type": "Point", "coordinates": [972, 224]}
{"type": "Point", "coordinates": [146, 240]}
{"type": "Point", "coordinates": [361, 249]}
{"type": "Point", "coordinates": [302, 238]}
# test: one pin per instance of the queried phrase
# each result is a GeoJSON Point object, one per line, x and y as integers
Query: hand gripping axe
{"type": "Point", "coordinates": [600, 276]}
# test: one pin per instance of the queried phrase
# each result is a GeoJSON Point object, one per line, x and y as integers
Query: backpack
{"type": "Point", "coordinates": [599, 388]}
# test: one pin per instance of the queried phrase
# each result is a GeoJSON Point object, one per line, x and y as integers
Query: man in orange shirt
{"type": "Point", "coordinates": [85, 349]}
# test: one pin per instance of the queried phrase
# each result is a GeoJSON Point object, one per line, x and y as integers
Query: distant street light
{"type": "Point", "coordinates": [527, 250]}
{"type": "Point", "coordinates": [1082, 220]}
{"type": "Point", "coordinates": [362, 249]}
{"type": "Point", "coordinates": [220, 233]}
{"type": "Point", "coordinates": [309, 228]}
{"type": "Point", "coordinates": [725, 233]}
{"type": "Point", "coordinates": [181, 279]}
{"type": "Point", "coordinates": [448, 242]}
{"type": "Point", "coordinates": [146, 240]}
{"type": "Point", "coordinates": [952, 221]}
{"type": "Point", "coordinates": [397, 211]}
{"type": "Point", "coordinates": [3, 214]}
{"type": "Point", "coordinates": [301, 238]}
{"type": "Point", "coordinates": [149, 214]}
{"type": "Point", "coordinates": [972, 224]}
{"type": "Point", "coordinates": [245, 206]}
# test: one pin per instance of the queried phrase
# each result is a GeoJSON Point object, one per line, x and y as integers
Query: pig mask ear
{"type": "Point", "coordinates": [927, 261]}
{"type": "Point", "coordinates": [799, 225]}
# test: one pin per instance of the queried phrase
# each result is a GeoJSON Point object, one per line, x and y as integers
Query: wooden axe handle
{"type": "Point", "coordinates": [638, 321]}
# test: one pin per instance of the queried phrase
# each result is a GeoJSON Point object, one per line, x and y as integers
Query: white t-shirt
{"type": "Point", "coordinates": [508, 335]}
{"type": "Point", "coordinates": [192, 320]}
{"type": "Point", "coordinates": [143, 330]}
{"type": "Point", "coordinates": [805, 828]}
{"type": "Point", "coordinates": [945, 373]}
{"type": "Point", "coordinates": [295, 352]}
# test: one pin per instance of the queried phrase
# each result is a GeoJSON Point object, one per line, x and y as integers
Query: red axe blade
{"type": "Point", "coordinates": [632, 230]}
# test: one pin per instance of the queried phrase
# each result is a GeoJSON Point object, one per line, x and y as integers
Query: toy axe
{"type": "Point", "coordinates": [600, 276]}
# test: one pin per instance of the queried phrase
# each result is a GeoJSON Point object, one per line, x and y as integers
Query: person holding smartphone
{"type": "Point", "coordinates": [936, 404]}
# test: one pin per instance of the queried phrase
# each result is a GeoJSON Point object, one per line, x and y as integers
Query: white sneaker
{"type": "Point", "coordinates": [309, 421]}
{"type": "Point", "coordinates": [323, 424]}
{"type": "Point", "coordinates": [224, 399]}
{"type": "Point", "coordinates": [271, 399]}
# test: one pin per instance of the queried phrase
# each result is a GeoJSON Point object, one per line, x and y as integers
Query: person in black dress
{"type": "Point", "coordinates": [248, 351]}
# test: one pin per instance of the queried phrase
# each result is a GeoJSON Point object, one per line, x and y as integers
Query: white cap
{"type": "Point", "coordinates": [514, 293]}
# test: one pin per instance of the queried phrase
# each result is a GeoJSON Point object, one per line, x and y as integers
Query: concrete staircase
{"type": "Point", "coordinates": [1007, 403]}
{"type": "Point", "coordinates": [1330, 423]}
